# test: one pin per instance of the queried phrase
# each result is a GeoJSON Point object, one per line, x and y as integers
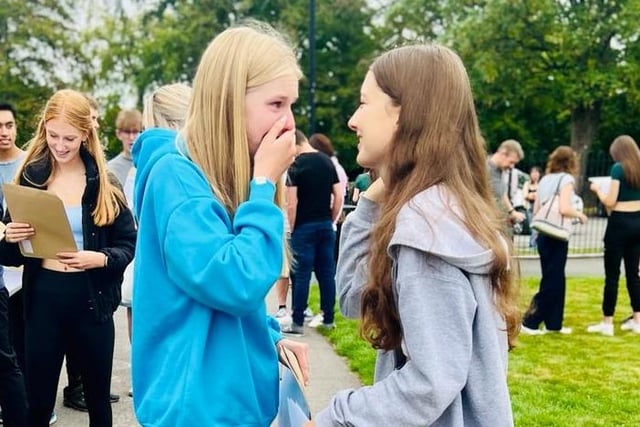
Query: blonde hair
{"type": "Point", "coordinates": [215, 131]}
{"type": "Point", "coordinates": [166, 107]}
{"type": "Point", "coordinates": [437, 142]}
{"type": "Point", "coordinates": [73, 107]}
{"type": "Point", "coordinates": [512, 146]}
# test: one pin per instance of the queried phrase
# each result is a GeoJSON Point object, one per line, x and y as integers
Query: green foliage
{"type": "Point", "coordinates": [535, 64]}
{"type": "Point", "coordinates": [34, 39]}
{"type": "Point", "coordinates": [543, 71]}
{"type": "Point", "coordinates": [554, 380]}
{"type": "Point", "coordinates": [164, 45]}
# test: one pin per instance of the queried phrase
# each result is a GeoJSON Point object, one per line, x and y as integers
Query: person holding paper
{"type": "Point", "coordinates": [622, 236]}
{"type": "Point", "coordinates": [424, 260]}
{"type": "Point", "coordinates": [211, 240]}
{"type": "Point", "coordinates": [70, 300]}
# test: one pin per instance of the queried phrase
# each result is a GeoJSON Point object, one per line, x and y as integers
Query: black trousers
{"type": "Point", "coordinates": [58, 319]}
{"type": "Point", "coordinates": [16, 329]}
{"type": "Point", "coordinates": [621, 242]}
{"type": "Point", "coordinates": [548, 304]}
{"type": "Point", "coordinates": [13, 397]}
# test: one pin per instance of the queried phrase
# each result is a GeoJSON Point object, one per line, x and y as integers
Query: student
{"type": "Point", "coordinates": [166, 107]}
{"type": "Point", "coordinates": [13, 397]}
{"type": "Point", "coordinates": [424, 260]}
{"type": "Point", "coordinates": [128, 127]}
{"type": "Point", "coordinates": [500, 163]}
{"type": "Point", "coordinates": [314, 203]}
{"type": "Point", "coordinates": [547, 305]}
{"type": "Point", "coordinates": [70, 300]}
{"type": "Point", "coordinates": [211, 240]}
{"type": "Point", "coordinates": [622, 237]}
{"type": "Point", "coordinates": [73, 393]}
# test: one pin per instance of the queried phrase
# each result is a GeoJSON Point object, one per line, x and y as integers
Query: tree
{"type": "Point", "coordinates": [36, 45]}
{"type": "Point", "coordinates": [544, 70]}
{"type": "Point", "coordinates": [165, 44]}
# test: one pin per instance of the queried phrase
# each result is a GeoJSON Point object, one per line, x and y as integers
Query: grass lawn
{"type": "Point", "coordinates": [555, 380]}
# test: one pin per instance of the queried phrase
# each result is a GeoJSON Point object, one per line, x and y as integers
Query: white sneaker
{"type": "Point", "coordinates": [308, 314]}
{"type": "Point", "coordinates": [317, 320]}
{"type": "Point", "coordinates": [628, 324]}
{"type": "Point", "coordinates": [601, 328]}
{"type": "Point", "coordinates": [529, 331]}
{"type": "Point", "coordinates": [282, 312]}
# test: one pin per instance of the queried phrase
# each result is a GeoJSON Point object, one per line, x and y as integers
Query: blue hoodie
{"type": "Point", "coordinates": [203, 351]}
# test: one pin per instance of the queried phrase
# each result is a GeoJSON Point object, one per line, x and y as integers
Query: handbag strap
{"type": "Point", "coordinates": [557, 193]}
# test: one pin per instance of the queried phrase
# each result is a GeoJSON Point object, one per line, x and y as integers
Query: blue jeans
{"type": "Point", "coordinates": [313, 246]}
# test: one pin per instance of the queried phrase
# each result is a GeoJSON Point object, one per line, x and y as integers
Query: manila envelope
{"type": "Point", "coordinates": [45, 212]}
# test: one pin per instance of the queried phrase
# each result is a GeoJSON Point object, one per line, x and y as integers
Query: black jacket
{"type": "Point", "coordinates": [116, 240]}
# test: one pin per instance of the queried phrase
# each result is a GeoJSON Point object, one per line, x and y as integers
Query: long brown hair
{"type": "Point", "coordinates": [625, 150]}
{"type": "Point", "coordinates": [562, 159]}
{"type": "Point", "coordinates": [437, 142]}
{"type": "Point", "coordinates": [73, 107]}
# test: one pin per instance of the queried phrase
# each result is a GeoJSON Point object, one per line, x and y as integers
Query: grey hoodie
{"type": "Point", "coordinates": [454, 338]}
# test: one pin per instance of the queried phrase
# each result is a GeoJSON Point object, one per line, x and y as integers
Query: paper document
{"type": "Point", "coordinates": [293, 410]}
{"type": "Point", "coordinates": [45, 212]}
{"type": "Point", "coordinates": [604, 182]}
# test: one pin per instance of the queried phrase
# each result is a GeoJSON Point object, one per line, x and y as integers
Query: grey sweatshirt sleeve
{"type": "Point", "coordinates": [352, 271]}
{"type": "Point", "coordinates": [437, 308]}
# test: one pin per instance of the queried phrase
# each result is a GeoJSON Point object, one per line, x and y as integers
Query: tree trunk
{"type": "Point", "coordinates": [584, 124]}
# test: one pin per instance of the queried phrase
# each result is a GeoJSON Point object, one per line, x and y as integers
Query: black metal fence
{"type": "Point", "coordinates": [586, 238]}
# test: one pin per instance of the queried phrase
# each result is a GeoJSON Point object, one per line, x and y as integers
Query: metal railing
{"type": "Point", "coordinates": [586, 238]}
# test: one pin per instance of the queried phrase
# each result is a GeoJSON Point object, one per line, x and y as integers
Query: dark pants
{"type": "Point", "coordinates": [16, 325]}
{"type": "Point", "coordinates": [548, 304]}
{"type": "Point", "coordinates": [313, 246]}
{"type": "Point", "coordinates": [621, 242]}
{"type": "Point", "coordinates": [58, 320]}
{"type": "Point", "coordinates": [16, 329]}
{"type": "Point", "coordinates": [13, 397]}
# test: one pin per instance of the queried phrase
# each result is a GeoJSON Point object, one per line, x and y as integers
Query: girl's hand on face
{"type": "Point", "coordinates": [276, 152]}
{"type": "Point", "coordinates": [18, 232]}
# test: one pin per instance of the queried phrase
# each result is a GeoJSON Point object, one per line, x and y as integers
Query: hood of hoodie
{"type": "Point", "coordinates": [430, 222]}
{"type": "Point", "coordinates": [151, 146]}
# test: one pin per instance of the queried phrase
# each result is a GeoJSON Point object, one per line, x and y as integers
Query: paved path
{"type": "Point", "coordinates": [329, 374]}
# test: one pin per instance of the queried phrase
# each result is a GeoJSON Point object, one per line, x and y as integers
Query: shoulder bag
{"type": "Point", "coordinates": [549, 221]}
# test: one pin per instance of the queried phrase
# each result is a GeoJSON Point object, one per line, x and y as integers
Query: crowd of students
{"type": "Point", "coordinates": [425, 261]}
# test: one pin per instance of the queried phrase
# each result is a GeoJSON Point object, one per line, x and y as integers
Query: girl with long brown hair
{"type": "Point", "coordinates": [423, 260]}
{"type": "Point", "coordinates": [622, 237]}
